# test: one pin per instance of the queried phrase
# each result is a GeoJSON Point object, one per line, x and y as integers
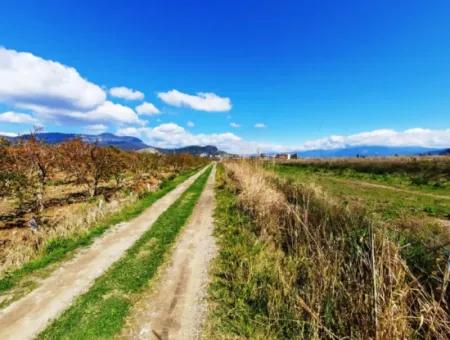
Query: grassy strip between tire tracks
{"type": "Point", "coordinates": [59, 248]}
{"type": "Point", "coordinates": [100, 312]}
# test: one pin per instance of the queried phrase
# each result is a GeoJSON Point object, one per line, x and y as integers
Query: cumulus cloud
{"type": "Point", "coordinates": [190, 124]}
{"type": "Point", "coordinates": [384, 137]}
{"type": "Point", "coordinates": [96, 128]}
{"type": "Point", "coordinates": [202, 101]}
{"type": "Point", "coordinates": [260, 125]}
{"type": "Point", "coordinates": [171, 135]}
{"type": "Point", "coordinates": [126, 93]}
{"type": "Point", "coordinates": [28, 81]}
{"type": "Point", "coordinates": [55, 92]}
{"type": "Point", "coordinates": [106, 113]}
{"type": "Point", "coordinates": [147, 108]}
{"type": "Point", "coordinates": [17, 118]}
{"type": "Point", "coordinates": [234, 125]}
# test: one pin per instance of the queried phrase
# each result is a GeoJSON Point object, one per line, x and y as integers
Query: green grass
{"type": "Point", "coordinates": [242, 275]}
{"type": "Point", "coordinates": [418, 181]}
{"type": "Point", "coordinates": [61, 248]}
{"type": "Point", "coordinates": [100, 312]}
{"type": "Point", "coordinates": [389, 204]}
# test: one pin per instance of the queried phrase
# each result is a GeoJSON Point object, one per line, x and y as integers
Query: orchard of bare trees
{"type": "Point", "coordinates": [29, 166]}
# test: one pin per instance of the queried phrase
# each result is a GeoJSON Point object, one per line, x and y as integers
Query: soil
{"type": "Point", "coordinates": [174, 306]}
{"type": "Point", "coordinates": [27, 317]}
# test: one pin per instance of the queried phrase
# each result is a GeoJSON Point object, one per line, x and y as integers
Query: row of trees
{"type": "Point", "coordinates": [28, 166]}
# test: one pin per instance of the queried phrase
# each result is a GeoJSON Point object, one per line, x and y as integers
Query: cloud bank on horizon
{"type": "Point", "coordinates": [38, 91]}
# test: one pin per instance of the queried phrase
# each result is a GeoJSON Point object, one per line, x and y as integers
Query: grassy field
{"type": "Point", "coordinates": [101, 311]}
{"type": "Point", "coordinates": [427, 173]}
{"type": "Point", "coordinates": [18, 282]}
{"type": "Point", "coordinates": [297, 262]}
{"type": "Point", "coordinates": [391, 196]}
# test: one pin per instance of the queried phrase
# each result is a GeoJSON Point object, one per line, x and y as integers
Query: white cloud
{"type": "Point", "coordinates": [96, 128]}
{"type": "Point", "coordinates": [234, 125]}
{"type": "Point", "coordinates": [17, 118]}
{"type": "Point", "coordinates": [260, 125]}
{"type": "Point", "coordinates": [107, 112]}
{"type": "Point", "coordinates": [190, 124]}
{"type": "Point", "coordinates": [384, 137]}
{"type": "Point", "coordinates": [171, 135]}
{"type": "Point", "coordinates": [126, 93]}
{"type": "Point", "coordinates": [28, 81]}
{"type": "Point", "coordinates": [8, 134]}
{"type": "Point", "coordinates": [147, 108]}
{"type": "Point", "coordinates": [54, 92]}
{"type": "Point", "coordinates": [202, 101]}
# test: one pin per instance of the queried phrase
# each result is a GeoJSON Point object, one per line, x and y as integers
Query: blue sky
{"type": "Point", "coordinates": [310, 73]}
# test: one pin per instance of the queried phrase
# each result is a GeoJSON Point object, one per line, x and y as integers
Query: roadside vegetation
{"type": "Point", "coordinates": [100, 312]}
{"type": "Point", "coordinates": [85, 190]}
{"type": "Point", "coordinates": [295, 263]}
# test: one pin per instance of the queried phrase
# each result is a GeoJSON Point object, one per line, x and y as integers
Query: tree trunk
{"type": "Point", "coordinates": [40, 197]}
{"type": "Point", "coordinates": [94, 188]}
{"type": "Point", "coordinates": [40, 191]}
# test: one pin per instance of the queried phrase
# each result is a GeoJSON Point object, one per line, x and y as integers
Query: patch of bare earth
{"type": "Point", "coordinates": [27, 317]}
{"type": "Point", "coordinates": [174, 307]}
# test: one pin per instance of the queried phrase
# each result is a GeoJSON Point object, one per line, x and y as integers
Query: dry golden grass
{"type": "Point", "coordinates": [22, 244]}
{"type": "Point", "coordinates": [337, 271]}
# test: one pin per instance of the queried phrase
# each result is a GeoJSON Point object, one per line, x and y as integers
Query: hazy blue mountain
{"type": "Point", "coordinates": [367, 151]}
{"type": "Point", "coordinates": [440, 152]}
{"type": "Point", "coordinates": [104, 139]}
{"type": "Point", "coordinates": [122, 142]}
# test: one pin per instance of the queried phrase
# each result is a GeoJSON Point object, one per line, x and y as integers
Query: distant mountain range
{"type": "Point", "coordinates": [122, 142]}
{"type": "Point", "coordinates": [104, 139]}
{"type": "Point", "coordinates": [439, 152]}
{"type": "Point", "coordinates": [134, 143]}
{"type": "Point", "coordinates": [370, 151]}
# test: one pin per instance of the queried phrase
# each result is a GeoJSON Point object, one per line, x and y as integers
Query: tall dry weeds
{"type": "Point", "coordinates": [338, 273]}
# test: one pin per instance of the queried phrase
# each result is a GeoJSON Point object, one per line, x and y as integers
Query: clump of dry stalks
{"type": "Point", "coordinates": [68, 222]}
{"type": "Point", "coordinates": [338, 273]}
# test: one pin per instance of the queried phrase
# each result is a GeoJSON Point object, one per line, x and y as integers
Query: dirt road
{"type": "Point", "coordinates": [25, 318]}
{"type": "Point", "coordinates": [174, 307]}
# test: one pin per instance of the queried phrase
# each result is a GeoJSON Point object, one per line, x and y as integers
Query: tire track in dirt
{"type": "Point", "coordinates": [25, 318]}
{"type": "Point", "coordinates": [174, 307]}
{"type": "Point", "coordinates": [382, 186]}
